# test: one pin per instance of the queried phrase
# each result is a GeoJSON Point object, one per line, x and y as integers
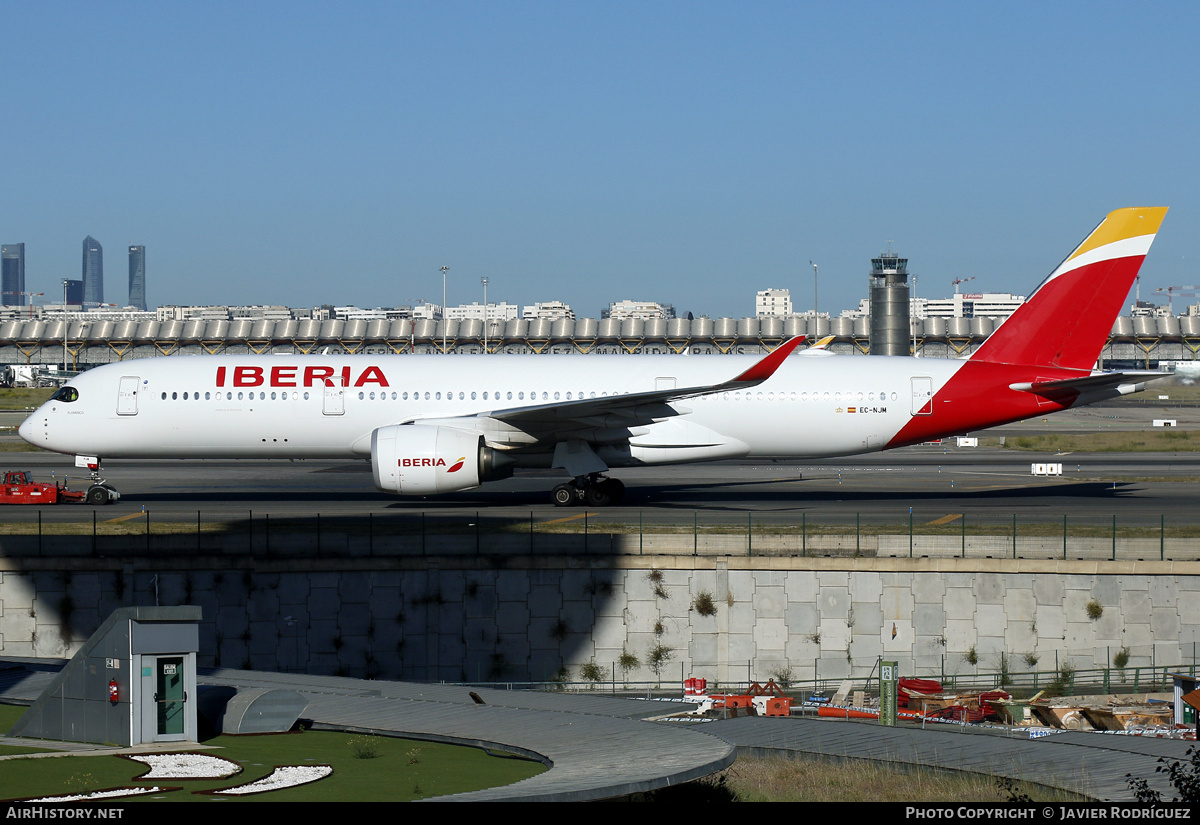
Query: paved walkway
{"type": "Point", "coordinates": [1091, 764]}
{"type": "Point", "coordinates": [600, 747]}
{"type": "Point", "coordinates": [596, 747]}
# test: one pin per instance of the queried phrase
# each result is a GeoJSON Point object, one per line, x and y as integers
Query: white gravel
{"type": "Point", "coordinates": [285, 777]}
{"type": "Point", "coordinates": [186, 766]}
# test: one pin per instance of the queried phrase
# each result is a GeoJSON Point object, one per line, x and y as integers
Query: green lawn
{"type": "Point", "coordinates": [18, 398]}
{"type": "Point", "coordinates": [401, 769]}
{"type": "Point", "coordinates": [1161, 440]}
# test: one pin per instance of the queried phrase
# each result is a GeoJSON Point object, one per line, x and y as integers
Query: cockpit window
{"type": "Point", "coordinates": [66, 395]}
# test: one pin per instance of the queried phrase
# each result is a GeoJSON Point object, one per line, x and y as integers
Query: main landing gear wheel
{"type": "Point", "coordinates": [594, 491]}
{"type": "Point", "coordinates": [597, 496]}
{"type": "Point", "coordinates": [565, 495]}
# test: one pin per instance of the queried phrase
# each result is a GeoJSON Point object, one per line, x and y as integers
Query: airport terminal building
{"type": "Point", "coordinates": [92, 339]}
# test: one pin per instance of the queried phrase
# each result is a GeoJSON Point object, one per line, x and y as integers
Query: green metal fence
{"type": "Point", "coordinates": [1062, 682]}
{"type": "Point", "coordinates": [814, 533]}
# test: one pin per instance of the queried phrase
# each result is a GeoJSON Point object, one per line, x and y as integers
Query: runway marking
{"type": "Point", "coordinates": [123, 518]}
{"type": "Point", "coordinates": [568, 518]}
{"type": "Point", "coordinates": [945, 519]}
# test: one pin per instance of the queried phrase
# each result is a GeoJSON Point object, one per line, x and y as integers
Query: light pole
{"type": "Point", "coordinates": [912, 320]}
{"type": "Point", "coordinates": [64, 315]}
{"type": "Point", "coordinates": [484, 281]}
{"type": "Point", "coordinates": [814, 266]}
{"type": "Point", "coordinates": [445, 269]}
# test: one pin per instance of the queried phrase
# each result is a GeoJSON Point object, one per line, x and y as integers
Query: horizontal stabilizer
{"type": "Point", "coordinates": [1096, 381]}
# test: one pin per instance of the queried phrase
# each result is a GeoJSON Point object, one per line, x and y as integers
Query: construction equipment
{"type": "Point", "coordinates": [29, 295]}
{"type": "Point", "coordinates": [1172, 291]}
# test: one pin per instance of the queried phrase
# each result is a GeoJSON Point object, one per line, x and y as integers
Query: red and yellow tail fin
{"type": "Point", "coordinates": [1069, 317]}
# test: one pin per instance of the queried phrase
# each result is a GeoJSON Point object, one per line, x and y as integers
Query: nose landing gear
{"type": "Point", "coordinates": [99, 491]}
{"type": "Point", "coordinates": [99, 494]}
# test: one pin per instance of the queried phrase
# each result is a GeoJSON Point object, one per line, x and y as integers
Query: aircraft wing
{"type": "Point", "coordinates": [638, 407]}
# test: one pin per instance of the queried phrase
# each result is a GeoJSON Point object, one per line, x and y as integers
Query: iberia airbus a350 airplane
{"type": "Point", "coordinates": [436, 424]}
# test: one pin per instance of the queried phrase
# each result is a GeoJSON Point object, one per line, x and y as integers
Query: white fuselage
{"type": "Point", "coordinates": [441, 423]}
{"type": "Point", "coordinates": [816, 404]}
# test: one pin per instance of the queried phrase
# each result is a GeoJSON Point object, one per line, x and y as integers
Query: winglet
{"type": "Point", "coordinates": [765, 368]}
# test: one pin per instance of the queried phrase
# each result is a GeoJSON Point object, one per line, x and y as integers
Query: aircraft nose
{"type": "Point", "coordinates": [26, 430]}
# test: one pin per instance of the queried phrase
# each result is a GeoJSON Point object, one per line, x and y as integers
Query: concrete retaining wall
{"type": "Point", "coordinates": [267, 542]}
{"type": "Point", "coordinates": [522, 618]}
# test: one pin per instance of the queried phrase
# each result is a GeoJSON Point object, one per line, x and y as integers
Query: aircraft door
{"type": "Point", "coordinates": [922, 395]}
{"type": "Point", "coordinates": [127, 392]}
{"type": "Point", "coordinates": [334, 402]}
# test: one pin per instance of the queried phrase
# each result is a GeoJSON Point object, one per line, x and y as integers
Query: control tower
{"type": "Point", "coordinates": [890, 326]}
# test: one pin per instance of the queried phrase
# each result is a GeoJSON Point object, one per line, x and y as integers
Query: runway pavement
{"type": "Point", "coordinates": [985, 484]}
{"type": "Point", "coordinates": [981, 484]}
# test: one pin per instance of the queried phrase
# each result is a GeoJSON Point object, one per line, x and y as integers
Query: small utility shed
{"type": "Point", "coordinates": [132, 682]}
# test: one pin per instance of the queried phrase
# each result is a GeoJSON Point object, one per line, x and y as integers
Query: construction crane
{"type": "Point", "coordinates": [958, 281]}
{"type": "Point", "coordinates": [1172, 291]}
{"type": "Point", "coordinates": [29, 295]}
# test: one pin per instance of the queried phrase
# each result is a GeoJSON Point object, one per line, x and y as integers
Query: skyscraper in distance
{"type": "Point", "coordinates": [12, 275]}
{"type": "Point", "coordinates": [74, 293]}
{"type": "Point", "coordinates": [137, 277]}
{"type": "Point", "coordinates": [93, 271]}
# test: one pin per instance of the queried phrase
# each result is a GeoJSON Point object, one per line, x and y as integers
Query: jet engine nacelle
{"type": "Point", "coordinates": [413, 459]}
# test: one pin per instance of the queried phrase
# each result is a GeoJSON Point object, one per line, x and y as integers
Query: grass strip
{"type": "Point", "coordinates": [365, 768]}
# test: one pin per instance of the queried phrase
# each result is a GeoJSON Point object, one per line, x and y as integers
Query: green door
{"type": "Point", "coordinates": [169, 695]}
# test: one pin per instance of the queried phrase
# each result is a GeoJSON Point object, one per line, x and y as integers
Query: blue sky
{"type": "Point", "coordinates": [691, 153]}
